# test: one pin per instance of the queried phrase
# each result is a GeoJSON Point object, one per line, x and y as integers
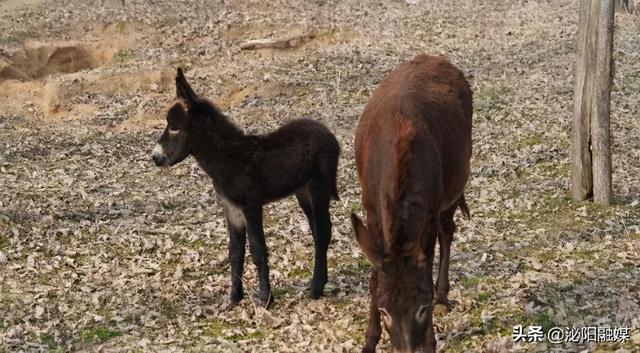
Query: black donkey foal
{"type": "Point", "coordinates": [249, 171]}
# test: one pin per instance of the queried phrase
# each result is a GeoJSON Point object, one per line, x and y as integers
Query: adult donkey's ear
{"type": "Point", "coordinates": [369, 246]}
{"type": "Point", "coordinates": [184, 91]}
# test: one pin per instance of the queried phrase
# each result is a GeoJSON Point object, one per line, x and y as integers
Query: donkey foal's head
{"type": "Point", "coordinates": [172, 146]}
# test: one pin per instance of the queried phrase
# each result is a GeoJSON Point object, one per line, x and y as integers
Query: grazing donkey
{"type": "Point", "coordinates": [248, 171]}
{"type": "Point", "coordinates": [413, 147]}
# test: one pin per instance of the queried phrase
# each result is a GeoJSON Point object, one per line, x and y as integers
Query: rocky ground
{"type": "Point", "coordinates": [102, 251]}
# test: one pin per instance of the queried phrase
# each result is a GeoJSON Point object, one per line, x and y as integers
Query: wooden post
{"type": "Point", "coordinates": [591, 150]}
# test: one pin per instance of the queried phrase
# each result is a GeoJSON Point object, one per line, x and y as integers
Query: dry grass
{"type": "Point", "coordinates": [104, 252]}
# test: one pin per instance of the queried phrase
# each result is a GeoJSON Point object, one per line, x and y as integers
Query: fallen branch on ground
{"type": "Point", "coordinates": [290, 41]}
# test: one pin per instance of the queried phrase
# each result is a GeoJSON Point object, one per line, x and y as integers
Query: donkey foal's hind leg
{"type": "Point", "coordinates": [305, 203]}
{"type": "Point", "coordinates": [321, 239]}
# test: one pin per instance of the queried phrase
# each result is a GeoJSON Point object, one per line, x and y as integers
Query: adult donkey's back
{"type": "Point", "coordinates": [249, 171]}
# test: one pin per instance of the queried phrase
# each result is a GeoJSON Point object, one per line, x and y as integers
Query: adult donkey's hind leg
{"type": "Point", "coordinates": [237, 246]}
{"type": "Point", "coordinates": [320, 198]}
{"type": "Point", "coordinates": [445, 237]}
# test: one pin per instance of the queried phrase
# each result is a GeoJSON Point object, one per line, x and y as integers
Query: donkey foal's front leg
{"type": "Point", "coordinates": [258, 248]}
{"type": "Point", "coordinates": [237, 245]}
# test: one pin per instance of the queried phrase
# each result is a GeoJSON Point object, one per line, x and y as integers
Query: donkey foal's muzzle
{"type": "Point", "coordinates": [158, 156]}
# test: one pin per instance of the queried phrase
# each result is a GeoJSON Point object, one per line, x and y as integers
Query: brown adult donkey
{"type": "Point", "coordinates": [413, 147]}
{"type": "Point", "coordinates": [249, 171]}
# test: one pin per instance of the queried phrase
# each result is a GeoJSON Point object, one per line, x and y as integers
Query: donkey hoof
{"type": "Point", "coordinates": [440, 310]}
{"type": "Point", "coordinates": [235, 297]}
{"type": "Point", "coordinates": [316, 292]}
{"type": "Point", "coordinates": [228, 305]}
{"type": "Point", "coordinates": [317, 287]}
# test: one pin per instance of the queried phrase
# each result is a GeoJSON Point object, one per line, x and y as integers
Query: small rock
{"type": "Point", "coordinates": [582, 211]}
{"type": "Point", "coordinates": [95, 299]}
{"type": "Point", "coordinates": [565, 285]}
{"type": "Point", "coordinates": [268, 318]}
{"type": "Point", "coordinates": [304, 227]}
{"type": "Point", "coordinates": [143, 342]}
{"type": "Point", "coordinates": [39, 311]}
{"type": "Point", "coordinates": [148, 245]}
{"type": "Point", "coordinates": [178, 274]}
{"type": "Point", "coordinates": [3, 258]}
{"type": "Point", "coordinates": [536, 264]}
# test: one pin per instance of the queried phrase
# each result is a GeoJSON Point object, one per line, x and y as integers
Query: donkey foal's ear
{"type": "Point", "coordinates": [368, 246]}
{"type": "Point", "coordinates": [183, 89]}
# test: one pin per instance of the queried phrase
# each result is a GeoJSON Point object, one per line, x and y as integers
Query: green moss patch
{"type": "Point", "coordinates": [98, 334]}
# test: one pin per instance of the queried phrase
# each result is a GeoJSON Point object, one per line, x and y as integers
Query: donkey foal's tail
{"type": "Point", "coordinates": [331, 167]}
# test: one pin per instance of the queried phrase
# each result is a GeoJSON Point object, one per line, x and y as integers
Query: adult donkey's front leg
{"type": "Point", "coordinates": [374, 329]}
{"type": "Point", "coordinates": [258, 248]}
{"type": "Point", "coordinates": [236, 226]}
{"type": "Point", "coordinates": [445, 237]}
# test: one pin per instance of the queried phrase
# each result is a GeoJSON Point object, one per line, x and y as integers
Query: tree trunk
{"type": "Point", "coordinates": [581, 177]}
{"type": "Point", "coordinates": [600, 134]}
{"type": "Point", "coordinates": [591, 149]}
